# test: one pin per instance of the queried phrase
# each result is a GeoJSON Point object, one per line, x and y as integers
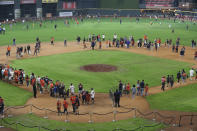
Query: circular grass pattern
{"type": "Point", "coordinates": [99, 68]}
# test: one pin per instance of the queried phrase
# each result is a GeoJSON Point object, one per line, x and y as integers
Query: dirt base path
{"type": "Point", "coordinates": [103, 104]}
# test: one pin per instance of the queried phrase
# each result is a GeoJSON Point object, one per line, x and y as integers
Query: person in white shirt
{"type": "Point", "coordinates": [89, 37]}
{"type": "Point", "coordinates": [11, 74]}
{"type": "Point", "coordinates": [103, 37]}
{"type": "Point", "coordinates": [191, 73]}
{"type": "Point", "coordinates": [38, 84]}
{"type": "Point", "coordinates": [115, 36]}
{"type": "Point", "coordinates": [72, 89]}
{"type": "Point", "coordinates": [92, 95]}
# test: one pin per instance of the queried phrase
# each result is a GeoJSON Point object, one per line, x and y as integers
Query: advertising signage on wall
{"type": "Point", "coordinates": [65, 14]}
{"type": "Point", "coordinates": [6, 2]}
{"type": "Point", "coordinates": [49, 1]}
{"type": "Point", "coordinates": [69, 5]}
{"type": "Point", "coordinates": [28, 1]}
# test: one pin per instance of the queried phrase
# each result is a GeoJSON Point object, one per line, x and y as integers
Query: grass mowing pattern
{"type": "Point", "coordinates": [13, 96]}
{"type": "Point", "coordinates": [180, 99]}
{"type": "Point", "coordinates": [131, 67]}
{"type": "Point", "coordinates": [128, 27]}
{"type": "Point", "coordinates": [31, 120]}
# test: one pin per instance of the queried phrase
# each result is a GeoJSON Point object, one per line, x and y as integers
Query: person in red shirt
{"type": "Point", "coordinates": [51, 89]}
{"type": "Point", "coordinates": [65, 105]}
{"type": "Point", "coordinates": [128, 88]}
{"type": "Point", "coordinates": [42, 83]}
{"type": "Point", "coordinates": [73, 101]}
{"type": "Point", "coordinates": [145, 37]}
{"type": "Point", "coordinates": [87, 97]}
{"type": "Point", "coordinates": [146, 90]}
{"type": "Point", "coordinates": [58, 107]}
{"type": "Point", "coordinates": [6, 74]}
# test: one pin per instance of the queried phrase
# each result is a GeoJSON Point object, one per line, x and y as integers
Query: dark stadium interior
{"type": "Point", "coordinates": [10, 9]}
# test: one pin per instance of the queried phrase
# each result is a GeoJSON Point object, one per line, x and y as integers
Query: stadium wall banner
{"type": "Point", "coordinates": [28, 1]}
{"type": "Point", "coordinates": [49, 1]}
{"type": "Point", "coordinates": [69, 5]}
{"type": "Point", "coordinates": [158, 5]}
{"type": "Point", "coordinates": [65, 14]}
{"type": "Point", "coordinates": [9, 2]}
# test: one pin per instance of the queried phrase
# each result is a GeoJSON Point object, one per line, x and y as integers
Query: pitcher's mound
{"type": "Point", "coordinates": [99, 68]}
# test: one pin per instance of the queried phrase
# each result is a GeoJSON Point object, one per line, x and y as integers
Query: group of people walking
{"type": "Point", "coordinates": [181, 77]}
{"type": "Point", "coordinates": [22, 50]}
{"type": "Point", "coordinates": [75, 101]}
{"type": "Point", "coordinates": [140, 89]}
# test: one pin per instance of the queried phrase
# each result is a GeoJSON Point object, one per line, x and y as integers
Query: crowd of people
{"type": "Point", "coordinates": [55, 89]}
{"type": "Point", "coordinates": [128, 42]}
{"type": "Point", "coordinates": [181, 77]}
{"type": "Point", "coordinates": [141, 89]}
{"type": "Point", "coordinates": [22, 50]}
{"type": "Point", "coordinates": [58, 89]}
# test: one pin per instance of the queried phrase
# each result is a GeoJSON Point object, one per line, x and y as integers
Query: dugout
{"type": "Point", "coordinates": [6, 9]}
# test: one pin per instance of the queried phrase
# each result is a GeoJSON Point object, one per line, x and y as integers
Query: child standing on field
{"type": "Point", "coordinates": [138, 88]}
{"type": "Point", "coordinates": [146, 90]}
{"type": "Point", "coordinates": [133, 90]}
{"type": "Point", "coordinates": [52, 40]}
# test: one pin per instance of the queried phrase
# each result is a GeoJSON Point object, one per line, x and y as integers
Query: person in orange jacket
{"type": "Point", "coordinates": [65, 105]}
{"type": "Point", "coordinates": [58, 107]}
{"type": "Point", "coordinates": [8, 50]}
{"type": "Point", "coordinates": [73, 100]}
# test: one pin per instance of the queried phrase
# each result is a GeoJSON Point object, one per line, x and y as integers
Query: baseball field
{"type": "Point", "coordinates": [64, 64]}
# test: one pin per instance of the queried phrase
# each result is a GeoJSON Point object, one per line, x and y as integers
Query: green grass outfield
{"type": "Point", "coordinates": [32, 120]}
{"type": "Point", "coordinates": [128, 27]}
{"type": "Point", "coordinates": [131, 67]}
{"type": "Point", "coordinates": [180, 99]}
{"type": "Point", "coordinates": [13, 96]}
